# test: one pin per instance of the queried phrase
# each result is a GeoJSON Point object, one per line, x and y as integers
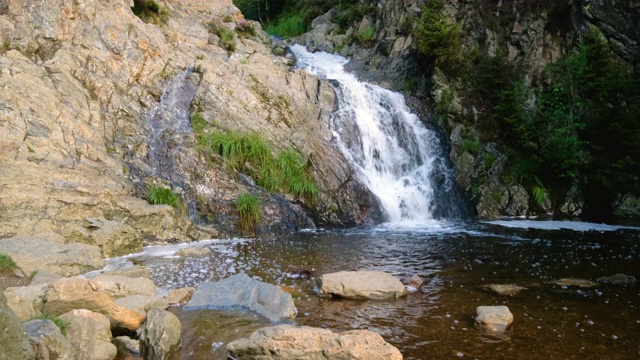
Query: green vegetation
{"type": "Point", "coordinates": [6, 263]}
{"type": "Point", "coordinates": [366, 36]}
{"type": "Point", "coordinates": [227, 39]}
{"type": "Point", "coordinates": [285, 172]}
{"type": "Point", "coordinates": [61, 324]}
{"type": "Point", "coordinates": [248, 207]}
{"type": "Point", "coordinates": [438, 38]}
{"type": "Point", "coordinates": [150, 12]}
{"type": "Point", "coordinates": [161, 195]}
{"type": "Point", "coordinates": [288, 25]}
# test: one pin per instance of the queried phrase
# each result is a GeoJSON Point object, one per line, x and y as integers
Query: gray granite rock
{"type": "Point", "coordinates": [241, 291]}
{"type": "Point", "coordinates": [160, 336]}
{"type": "Point", "coordinates": [47, 340]}
{"type": "Point", "coordinates": [13, 338]}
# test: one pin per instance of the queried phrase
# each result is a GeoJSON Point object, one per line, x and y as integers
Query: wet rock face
{"type": "Point", "coordinates": [286, 342]}
{"type": "Point", "coordinates": [618, 19]}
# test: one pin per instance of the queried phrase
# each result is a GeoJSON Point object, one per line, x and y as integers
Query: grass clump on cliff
{"type": "Point", "coordinates": [248, 207]}
{"type": "Point", "coordinates": [150, 12]}
{"type": "Point", "coordinates": [160, 195]}
{"type": "Point", "coordinates": [286, 172]}
{"type": "Point", "coordinates": [226, 37]}
{"type": "Point", "coordinates": [6, 263]}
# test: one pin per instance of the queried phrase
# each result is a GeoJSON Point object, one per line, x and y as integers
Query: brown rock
{"type": "Point", "coordinates": [577, 282]}
{"type": "Point", "coordinates": [178, 296]}
{"type": "Point", "coordinates": [80, 293]}
{"type": "Point", "coordinates": [494, 318]}
{"type": "Point", "coordinates": [503, 289]}
{"type": "Point", "coordinates": [286, 342]}
{"type": "Point", "coordinates": [90, 334]}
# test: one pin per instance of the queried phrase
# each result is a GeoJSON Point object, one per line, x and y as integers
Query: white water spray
{"type": "Point", "coordinates": [394, 154]}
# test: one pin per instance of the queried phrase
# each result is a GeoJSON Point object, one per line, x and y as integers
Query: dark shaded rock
{"type": "Point", "coordinates": [126, 346]}
{"type": "Point", "coordinates": [160, 335]}
{"type": "Point", "coordinates": [47, 340]}
{"type": "Point", "coordinates": [242, 291]}
{"type": "Point", "coordinates": [14, 344]}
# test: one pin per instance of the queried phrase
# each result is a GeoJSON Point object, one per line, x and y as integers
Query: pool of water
{"type": "Point", "coordinates": [551, 322]}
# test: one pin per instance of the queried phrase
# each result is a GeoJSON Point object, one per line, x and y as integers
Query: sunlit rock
{"type": "Point", "coordinates": [375, 285]}
{"type": "Point", "coordinates": [494, 318]}
{"type": "Point", "coordinates": [577, 282]}
{"type": "Point", "coordinates": [503, 289]}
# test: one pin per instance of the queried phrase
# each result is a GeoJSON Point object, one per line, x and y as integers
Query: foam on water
{"type": "Point", "coordinates": [559, 225]}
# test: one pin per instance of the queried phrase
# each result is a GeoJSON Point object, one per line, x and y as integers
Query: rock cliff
{"type": "Point", "coordinates": [79, 79]}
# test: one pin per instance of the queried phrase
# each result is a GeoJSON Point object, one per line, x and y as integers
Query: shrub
{"type": "Point", "coordinates": [471, 145]}
{"type": "Point", "coordinates": [248, 207]}
{"type": "Point", "coordinates": [160, 195]}
{"type": "Point", "coordinates": [245, 29]}
{"type": "Point", "coordinates": [226, 40]}
{"type": "Point", "coordinates": [150, 12]}
{"type": "Point", "coordinates": [6, 263]}
{"type": "Point", "coordinates": [288, 25]}
{"type": "Point", "coordinates": [366, 36]}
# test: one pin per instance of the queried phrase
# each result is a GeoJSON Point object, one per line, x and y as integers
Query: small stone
{"type": "Point", "coordinates": [494, 318]}
{"type": "Point", "coordinates": [413, 281]}
{"type": "Point", "coordinates": [126, 346]}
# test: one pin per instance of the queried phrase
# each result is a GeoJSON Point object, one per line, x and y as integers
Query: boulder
{"type": "Point", "coordinates": [287, 342]}
{"type": "Point", "coordinates": [13, 338]}
{"type": "Point", "coordinates": [114, 238]}
{"type": "Point", "coordinates": [178, 296]}
{"type": "Point", "coordinates": [494, 318]}
{"type": "Point", "coordinates": [503, 289]}
{"type": "Point", "coordinates": [193, 251]}
{"type": "Point", "coordinates": [160, 336]}
{"type": "Point", "coordinates": [242, 291]}
{"type": "Point", "coordinates": [80, 293]}
{"type": "Point", "coordinates": [136, 271]}
{"type": "Point", "coordinates": [119, 286]}
{"type": "Point", "coordinates": [34, 254]}
{"type": "Point", "coordinates": [617, 279]}
{"type": "Point", "coordinates": [90, 334]}
{"type": "Point", "coordinates": [577, 282]}
{"type": "Point", "coordinates": [44, 277]}
{"type": "Point", "coordinates": [375, 285]}
{"type": "Point", "coordinates": [47, 340]}
{"type": "Point", "coordinates": [26, 301]}
{"type": "Point", "coordinates": [127, 347]}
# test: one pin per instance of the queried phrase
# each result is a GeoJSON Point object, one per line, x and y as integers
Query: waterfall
{"type": "Point", "coordinates": [393, 152]}
{"type": "Point", "coordinates": [169, 122]}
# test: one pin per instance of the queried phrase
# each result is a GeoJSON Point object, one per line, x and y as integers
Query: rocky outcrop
{"type": "Point", "coordinates": [47, 340]}
{"type": "Point", "coordinates": [80, 293]}
{"type": "Point", "coordinates": [33, 254]}
{"type": "Point", "coordinates": [376, 285]}
{"type": "Point", "coordinates": [242, 291]}
{"type": "Point", "coordinates": [89, 333]}
{"type": "Point", "coordinates": [13, 337]}
{"type": "Point", "coordinates": [494, 318]}
{"type": "Point", "coordinates": [160, 335]}
{"type": "Point", "coordinates": [286, 342]}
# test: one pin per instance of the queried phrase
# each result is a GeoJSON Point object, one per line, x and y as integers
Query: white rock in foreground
{"type": "Point", "coordinates": [494, 318]}
{"type": "Point", "coordinates": [287, 342]}
{"type": "Point", "coordinates": [375, 285]}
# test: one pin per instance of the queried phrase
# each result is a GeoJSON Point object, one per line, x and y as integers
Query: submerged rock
{"type": "Point", "coordinates": [242, 291]}
{"type": "Point", "coordinates": [193, 251]}
{"type": "Point", "coordinates": [287, 342]}
{"type": "Point", "coordinates": [160, 335]}
{"type": "Point", "coordinates": [80, 293]}
{"type": "Point", "coordinates": [577, 282]}
{"type": "Point", "coordinates": [618, 279]}
{"type": "Point", "coordinates": [503, 289]}
{"type": "Point", "coordinates": [13, 338]}
{"type": "Point", "coordinates": [494, 318]}
{"type": "Point", "coordinates": [375, 285]}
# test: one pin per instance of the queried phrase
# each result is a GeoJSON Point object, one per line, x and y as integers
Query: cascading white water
{"type": "Point", "coordinates": [395, 155]}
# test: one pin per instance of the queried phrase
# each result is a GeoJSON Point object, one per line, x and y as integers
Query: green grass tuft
{"type": "Point", "coordinates": [61, 324]}
{"type": "Point", "coordinates": [6, 263]}
{"type": "Point", "coordinates": [288, 25]}
{"type": "Point", "coordinates": [161, 195]}
{"type": "Point", "coordinates": [248, 207]}
{"type": "Point", "coordinates": [150, 12]}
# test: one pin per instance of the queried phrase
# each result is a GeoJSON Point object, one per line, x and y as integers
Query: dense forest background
{"type": "Point", "coordinates": [573, 125]}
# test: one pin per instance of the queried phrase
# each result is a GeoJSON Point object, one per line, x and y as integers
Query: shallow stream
{"type": "Point", "coordinates": [454, 259]}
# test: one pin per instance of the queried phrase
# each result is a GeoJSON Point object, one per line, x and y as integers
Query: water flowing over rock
{"type": "Point", "coordinates": [395, 155]}
{"type": "Point", "coordinates": [286, 342]}
{"type": "Point", "coordinates": [242, 291]}
{"type": "Point", "coordinates": [376, 285]}
{"type": "Point", "coordinates": [13, 338]}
